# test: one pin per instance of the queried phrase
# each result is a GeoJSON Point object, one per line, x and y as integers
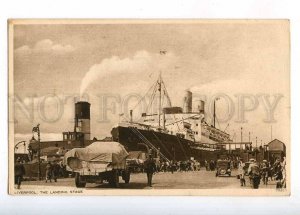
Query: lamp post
{"type": "Point", "coordinates": [249, 136]}
{"type": "Point", "coordinates": [234, 140]}
{"type": "Point", "coordinates": [255, 142]}
{"type": "Point", "coordinates": [249, 139]}
{"type": "Point", "coordinates": [16, 146]}
{"type": "Point", "coordinates": [37, 130]}
{"type": "Point", "coordinates": [241, 138]}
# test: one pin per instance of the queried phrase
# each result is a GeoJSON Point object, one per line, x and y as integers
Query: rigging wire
{"type": "Point", "coordinates": [163, 100]}
{"type": "Point", "coordinates": [143, 96]}
{"type": "Point", "coordinates": [166, 93]}
{"type": "Point", "coordinates": [152, 96]}
{"type": "Point", "coordinates": [176, 123]}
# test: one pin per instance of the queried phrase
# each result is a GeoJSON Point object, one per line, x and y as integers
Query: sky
{"type": "Point", "coordinates": [246, 64]}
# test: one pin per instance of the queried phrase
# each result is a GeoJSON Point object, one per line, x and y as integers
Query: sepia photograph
{"type": "Point", "coordinates": [149, 107]}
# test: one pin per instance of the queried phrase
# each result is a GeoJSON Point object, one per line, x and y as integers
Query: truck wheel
{"type": "Point", "coordinates": [78, 181]}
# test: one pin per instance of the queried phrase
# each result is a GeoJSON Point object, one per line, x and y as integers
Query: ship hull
{"type": "Point", "coordinates": [171, 146]}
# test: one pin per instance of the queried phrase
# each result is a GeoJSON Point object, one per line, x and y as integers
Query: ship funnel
{"type": "Point", "coordinates": [187, 107]}
{"type": "Point", "coordinates": [201, 106]}
{"type": "Point", "coordinates": [82, 119]}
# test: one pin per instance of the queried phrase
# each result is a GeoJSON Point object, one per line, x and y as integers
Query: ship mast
{"type": "Point", "coordinates": [214, 113]}
{"type": "Point", "coordinates": [159, 106]}
{"type": "Point", "coordinates": [216, 99]}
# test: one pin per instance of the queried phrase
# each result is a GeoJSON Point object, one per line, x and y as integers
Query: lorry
{"type": "Point", "coordinates": [98, 162]}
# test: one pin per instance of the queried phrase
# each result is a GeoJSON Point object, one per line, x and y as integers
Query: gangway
{"type": "Point", "coordinates": [148, 143]}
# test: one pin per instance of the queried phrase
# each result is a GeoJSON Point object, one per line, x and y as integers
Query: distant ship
{"type": "Point", "coordinates": [173, 133]}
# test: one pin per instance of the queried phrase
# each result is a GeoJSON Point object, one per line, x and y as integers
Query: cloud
{"type": "Point", "coordinates": [55, 113]}
{"type": "Point", "coordinates": [45, 46]}
{"type": "Point", "coordinates": [250, 86]}
{"type": "Point", "coordinates": [142, 62]}
{"type": "Point", "coordinates": [23, 50]}
{"type": "Point", "coordinates": [269, 83]}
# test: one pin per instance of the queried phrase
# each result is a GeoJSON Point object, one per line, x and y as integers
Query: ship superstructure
{"type": "Point", "coordinates": [177, 133]}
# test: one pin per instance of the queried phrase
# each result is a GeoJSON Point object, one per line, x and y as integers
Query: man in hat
{"type": "Point", "coordinates": [19, 172]}
{"type": "Point", "coordinates": [251, 165]}
{"type": "Point", "coordinates": [55, 170]}
{"type": "Point", "coordinates": [278, 173]}
{"type": "Point", "coordinates": [253, 170]}
{"type": "Point", "coordinates": [265, 171]}
{"type": "Point", "coordinates": [150, 168]}
{"type": "Point", "coordinates": [48, 172]}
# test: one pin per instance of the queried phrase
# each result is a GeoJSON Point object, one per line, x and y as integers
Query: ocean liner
{"type": "Point", "coordinates": [173, 133]}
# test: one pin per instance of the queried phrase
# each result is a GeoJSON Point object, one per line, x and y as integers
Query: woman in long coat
{"type": "Point", "coordinates": [241, 172]}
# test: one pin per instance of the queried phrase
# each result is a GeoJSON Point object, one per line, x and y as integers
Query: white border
{"type": "Point", "coordinates": [155, 192]}
{"type": "Point", "coordinates": [152, 9]}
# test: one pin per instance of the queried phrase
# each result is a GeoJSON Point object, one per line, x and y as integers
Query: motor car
{"type": "Point", "coordinates": [223, 168]}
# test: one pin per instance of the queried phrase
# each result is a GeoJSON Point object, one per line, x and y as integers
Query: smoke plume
{"type": "Point", "coordinates": [141, 62]}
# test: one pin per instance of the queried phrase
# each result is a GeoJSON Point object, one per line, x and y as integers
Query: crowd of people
{"type": "Point", "coordinates": [54, 170]}
{"type": "Point", "coordinates": [265, 170]}
{"type": "Point", "coordinates": [178, 166]}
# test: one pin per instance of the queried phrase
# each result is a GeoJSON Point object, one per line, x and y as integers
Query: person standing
{"type": "Point", "coordinates": [61, 170]}
{"type": "Point", "coordinates": [55, 171]}
{"type": "Point", "coordinates": [150, 168]}
{"type": "Point", "coordinates": [19, 172]}
{"type": "Point", "coordinates": [211, 165]}
{"type": "Point", "coordinates": [265, 171]}
{"type": "Point", "coordinates": [48, 172]}
{"type": "Point", "coordinates": [254, 172]}
{"type": "Point", "coordinates": [283, 164]}
{"type": "Point", "coordinates": [172, 166]}
{"type": "Point", "coordinates": [278, 173]}
{"type": "Point", "coordinates": [206, 165]}
{"type": "Point", "coordinates": [241, 172]}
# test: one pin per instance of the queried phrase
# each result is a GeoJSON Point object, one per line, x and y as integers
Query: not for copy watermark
{"type": "Point", "coordinates": [108, 108]}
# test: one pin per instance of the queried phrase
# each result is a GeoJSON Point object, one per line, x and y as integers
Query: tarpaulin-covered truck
{"type": "Point", "coordinates": [98, 162]}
